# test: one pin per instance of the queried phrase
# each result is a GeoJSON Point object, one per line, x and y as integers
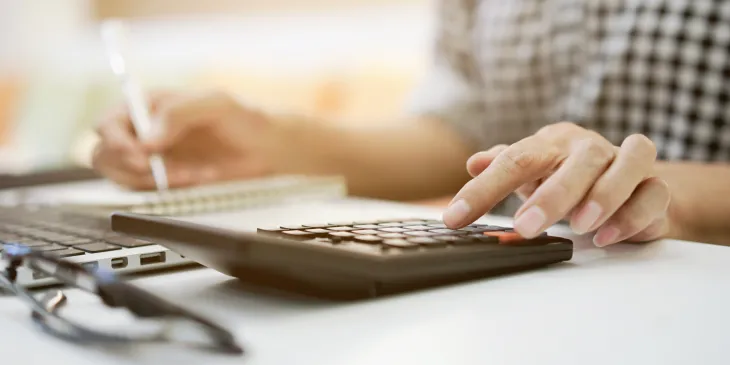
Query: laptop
{"type": "Point", "coordinates": [80, 238]}
{"type": "Point", "coordinates": [77, 237]}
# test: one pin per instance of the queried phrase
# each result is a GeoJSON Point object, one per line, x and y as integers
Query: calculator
{"type": "Point", "coordinates": [352, 260]}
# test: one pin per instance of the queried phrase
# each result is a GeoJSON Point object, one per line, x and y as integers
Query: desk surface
{"type": "Point", "coordinates": [660, 303]}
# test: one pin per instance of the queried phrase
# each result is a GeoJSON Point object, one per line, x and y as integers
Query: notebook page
{"type": "Point", "coordinates": [92, 193]}
{"type": "Point", "coordinates": [106, 194]}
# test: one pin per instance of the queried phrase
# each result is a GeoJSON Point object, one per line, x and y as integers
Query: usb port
{"type": "Point", "coordinates": [119, 263]}
{"type": "Point", "coordinates": [152, 258]}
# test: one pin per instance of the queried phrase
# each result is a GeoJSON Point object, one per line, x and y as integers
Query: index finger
{"type": "Point", "coordinates": [523, 162]}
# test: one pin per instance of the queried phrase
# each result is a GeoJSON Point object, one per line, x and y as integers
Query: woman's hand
{"type": "Point", "coordinates": [203, 137]}
{"type": "Point", "coordinates": [567, 172]}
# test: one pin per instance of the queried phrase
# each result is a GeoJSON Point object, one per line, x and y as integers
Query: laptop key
{"type": "Point", "coordinates": [53, 237]}
{"type": "Point", "coordinates": [67, 253]}
{"type": "Point", "coordinates": [33, 243]}
{"type": "Point", "coordinates": [51, 247]}
{"type": "Point", "coordinates": [75, 241]}
{"type": "Point", "coordinates": [10, 237]}
{"type": "Point", "coordinates": [97, 247]}
{"type": "Point", "coordinates": [127, 242]}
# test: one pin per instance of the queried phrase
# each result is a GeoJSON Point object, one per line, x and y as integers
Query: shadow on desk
{"type": "Point", "coordinates": [272, 297]}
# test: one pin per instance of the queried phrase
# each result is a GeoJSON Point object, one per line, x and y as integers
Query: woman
{"type": "Point", "coordinates": [612, 115]}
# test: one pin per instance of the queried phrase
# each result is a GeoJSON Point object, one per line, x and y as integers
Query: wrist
{"type": "Point", "coordinates": [680, 226]}
{"type": "Point", "coordinates": [296, 145]}
{"type": "Point", "coordinates": [676, 224]}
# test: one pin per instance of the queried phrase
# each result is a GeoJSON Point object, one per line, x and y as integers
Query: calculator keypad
{"type": "Point", "coordinates": [402, 235]}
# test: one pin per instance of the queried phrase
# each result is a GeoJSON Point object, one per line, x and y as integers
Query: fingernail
{"type": "Point", "coordinates": [586, 217]}
{"type": "Point", "coordinates": [530, 222]}
{"type": "Point", "coordinates": [606, 236]}
{"type": "Point", "coordinates": [456, 213]}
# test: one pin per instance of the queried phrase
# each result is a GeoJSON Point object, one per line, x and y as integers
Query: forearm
{"type": "Point", "coordinates": [700, 206]}
{"type": "Point", "coordinates": [400, 161]}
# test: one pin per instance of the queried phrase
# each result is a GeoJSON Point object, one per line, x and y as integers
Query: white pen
{"type": "Point", "coordinates": [114, 37]}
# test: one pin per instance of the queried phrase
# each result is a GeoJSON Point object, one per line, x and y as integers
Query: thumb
{"type": "Point", "coordinates": [179, 116]}
{"type": "Point", "coordinates": [481, 160]}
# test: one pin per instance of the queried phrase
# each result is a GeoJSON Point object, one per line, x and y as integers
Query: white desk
{"type": "Point", "coordinates": [660, 303]}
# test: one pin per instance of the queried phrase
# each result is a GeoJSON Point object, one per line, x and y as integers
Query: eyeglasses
{"type": "Point", "coordinates": [170, 323]}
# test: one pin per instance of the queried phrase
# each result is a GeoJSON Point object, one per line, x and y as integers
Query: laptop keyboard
{"type": "Point", "coordinates": [51, 232]}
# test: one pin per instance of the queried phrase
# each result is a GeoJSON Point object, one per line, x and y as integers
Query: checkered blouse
{"type": "Point", "coordinates": [505, 68]}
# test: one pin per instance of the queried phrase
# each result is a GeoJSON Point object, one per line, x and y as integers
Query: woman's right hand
{"type": "Point", "coordinates": [202, 137]}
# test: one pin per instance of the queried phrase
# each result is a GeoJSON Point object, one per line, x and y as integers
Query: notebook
{"type": "Point", "coordinates": [104, 196]}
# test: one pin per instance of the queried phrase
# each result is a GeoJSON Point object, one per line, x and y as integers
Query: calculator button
{"type": "Point", "coordinates": [269, 229]}
{"type": "Point", "coordinates": [340, 223]}
{"type": "Point", "coordinates": [390, 224]}
{"type": "Point", "coordinates": [421, 233]}
{"type": "Point", "coordinates": [318, 231]}
{"type": "Point", "coordinates": [400, 243]}
{"type": "Point", "coordinates": [391, 235]}
{"type": "Point", "coordinates": [447, 231]}
{"type": "Point", "coordinates": [505, 236]}
{"type": "Point", "coordinates": [367, 226]}
{"type": "Point", "coordinates": [341, 228]}
{"type": "Point", "coordinates": [292, 227]}
{"type": "Point", "coordinates": [298, 234]}
{"type": "Point", "coordinates": [437, 225]}
{"type": "Point", "coordinates": [365, 232]}
{"type": "Point", "coordinates": [449, 239]}
{"type": "Point", "coordinates": [340, 236]}
{"type": "Point", "coordinates": [369, 239]}
{"type": "Point", "coordinates": [474, 230]}
{"type": "Point", "coordinates": [419, 227]}
{"type": "Point", "coordinates": [414, 222]}
{"type": "Point", "coordinates": [393, 230]}
{"type": "Point", "coordinates": [426, 241]}
{"type": "Point", "coordinates": [315, 225]}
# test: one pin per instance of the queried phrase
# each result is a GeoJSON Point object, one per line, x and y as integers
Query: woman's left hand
{"type": "Point", "coordinates": [567, 172]}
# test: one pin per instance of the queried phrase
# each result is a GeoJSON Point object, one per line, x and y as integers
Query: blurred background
{"type": "Point", "coordinates": [346, 61]}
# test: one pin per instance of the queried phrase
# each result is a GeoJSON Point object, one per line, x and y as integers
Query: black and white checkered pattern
{"type": "Point", "coordinates": [505, 68]}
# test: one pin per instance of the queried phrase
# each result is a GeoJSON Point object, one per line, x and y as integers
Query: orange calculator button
{"type": "Point", "coordinates": [505, 236]}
